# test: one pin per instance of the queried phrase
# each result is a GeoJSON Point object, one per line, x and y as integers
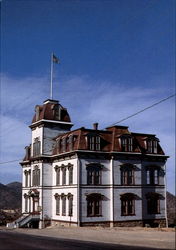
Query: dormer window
{"type": "Point", "coordinates": [127, 143]}
{"type": "Point", "coordinates": [94, 142]}
{"type": "Point", "coordinates": [70, 142]}
{"type": "Point", "coordinates": [58, 145]}
{"type": "Point", "coordinates": [36, 147]}
{"type": "Point", "coordinates": [63, 144]}
{"type": "Point", "coordinates": [56, 112]}
{"type": "Point", "coordinates": [152, 146]}
{"type": "Point", "coordinates": [37, 110]}
{"type": "Point", "coordinates": [28, 152]}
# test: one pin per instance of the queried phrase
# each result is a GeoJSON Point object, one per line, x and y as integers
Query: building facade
{"type": "Point", "coordinates": [91, 177]}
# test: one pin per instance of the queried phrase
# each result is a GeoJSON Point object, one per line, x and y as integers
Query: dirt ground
{"type": "Point", "coordinates": [160, 238]}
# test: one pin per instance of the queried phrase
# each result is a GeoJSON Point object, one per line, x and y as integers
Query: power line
{"type": "Point", "coordinates": [5, 162]}
{"type": "Point", "coordinates": [142, 110]}
{"type": "Point", "coordinates": [9, 161]}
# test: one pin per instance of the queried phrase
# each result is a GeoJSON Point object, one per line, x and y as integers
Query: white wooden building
{"type": "Point", "coordinates": [90, 177]}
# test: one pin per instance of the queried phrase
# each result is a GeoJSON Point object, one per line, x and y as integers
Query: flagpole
{"type": "Point", "coordinates": [51, 87]}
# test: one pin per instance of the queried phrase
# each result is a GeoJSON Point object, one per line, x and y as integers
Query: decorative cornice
{"type": "Point", "coordinates": [49, 121]}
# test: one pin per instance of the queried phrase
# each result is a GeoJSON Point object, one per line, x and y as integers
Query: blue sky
{"type": "Point", "coordinates": [117, 57]}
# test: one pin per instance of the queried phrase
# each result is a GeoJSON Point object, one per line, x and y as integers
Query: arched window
{"type": "Point", "coordinates": [63, 205]}
{"type": "Point", "coordinates": [94, 174]}
{"type": "Point", "coordinates": [94, 205]}
{"type": "Point", "coordinates": [153, 175]}
{"type": "Point", "coordinates": [127, 204]}
{"type": "Point", "coordinates": [127, 174]}
{"type": "Point", "coordinates": [57, 169]}
{"type": "Point", "coordinates": [153, 203]}
{"type": "Point", "coordinates": [36, 147]}
{"type": "Point", "coordinates": [37, 110]}
{"type": "Point", "coordinates": [64, 170]}
{"type": "Point", "coordinates": [58, 145]}
{"type": "Point", "coordinates": [70, 169]}
{"type": "Point", "coordinates": [26, 203]}
{"type": "Point", "coordinates": [36, 176]}
{"type": "Point", "coordinates": [26, 173]}
{"type": "Point", "coordinates": [57, 198]}
{"type": "Point", "coordinates": [126, 143]}
{"type": "Point", "coordinates": [64, 144]}
{"type": "Point", "coordinates": [71, 142]}
{"type": "Point", "coordinates": [70, 205]}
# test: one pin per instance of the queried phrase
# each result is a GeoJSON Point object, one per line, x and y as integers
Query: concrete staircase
{"type": "Point", "coordinates": [24, 220]}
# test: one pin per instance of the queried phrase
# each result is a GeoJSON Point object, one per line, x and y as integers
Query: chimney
{"type": "Point", "coordinates": [95, 126]}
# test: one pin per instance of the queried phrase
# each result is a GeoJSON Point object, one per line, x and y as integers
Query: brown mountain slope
{"type": "Point", "coordinates": [10, 195]}
{"type": "Point", "coordinates": [171, 209]}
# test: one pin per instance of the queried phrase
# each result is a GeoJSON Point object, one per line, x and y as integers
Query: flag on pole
{"type": "Point", "coordinates": [55, 59]}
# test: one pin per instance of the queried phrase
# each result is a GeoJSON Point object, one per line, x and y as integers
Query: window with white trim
{"type": "Point", "coordinates": [70, 205]}
{"type": "Point", "coordinates": [153, 175]}
{"type": "Point", "coordinates": [127, 174]}
{"type": "Point", "coordinates": [94, 172]}
{"type": "Point", "coordinates": [126, 143]}
{"type": "Point", "coordinates": [63, 205]}
{"type": "Point", "coordinates": [64, 170]}
{"type": "Point", "coordinates": [57, 198]}
{"type": "Point", "coordinates": [152, 146]}
{"type": "Point", "coordinates": [94, 205]}
{"type": "Point", "coordinates": [127, 204]}
{"type": "Point", "coordinates": [36, 147]}
{"type": "Point", "coordinates": [94, 142]}
{"type": "Point", "coordinates": [36, 176]}
{"type": "Point", "coordinates": [153, 203]}
{"type": "Point", "coordinates": [58, 170]}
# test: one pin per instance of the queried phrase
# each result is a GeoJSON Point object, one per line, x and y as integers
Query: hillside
{"type": "Point", "coordinates": [171, 208]}
{"type": "Point", "coordinates": [10, 196]}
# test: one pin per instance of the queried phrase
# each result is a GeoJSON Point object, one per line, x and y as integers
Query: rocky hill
{"type": "Point", "coordinates": [171, 209]}
{"type": "Point", "coordinates": [10, 196]}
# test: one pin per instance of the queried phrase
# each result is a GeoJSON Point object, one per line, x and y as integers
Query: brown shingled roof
{"type": "Point", "coordinates": [109, 140]}
{"type": "Point", "coordinates": [51, 110]}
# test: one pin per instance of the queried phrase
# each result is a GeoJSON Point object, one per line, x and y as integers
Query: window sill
{"type": "Point", "coordinates": [153, 185]}
{"type": "Point", "coordinates": [128, 184]}
{"type": "Point", "coordinates": [92, 184]}
{"type": "Point", "coordinates": [153, 213]}
{"type": "Point", "coordinates": [94, 215]}
{"type": "Point", "coordinates": [128, 214]}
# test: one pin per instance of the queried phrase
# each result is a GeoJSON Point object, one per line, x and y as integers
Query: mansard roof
{"type": "Point", "coordinates": [51, 110]}
{"type": "Point", "coordinates": [110, 140]}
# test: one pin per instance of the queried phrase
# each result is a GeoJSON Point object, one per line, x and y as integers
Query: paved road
{"type": "Point", "coordinates": [16, 241]}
